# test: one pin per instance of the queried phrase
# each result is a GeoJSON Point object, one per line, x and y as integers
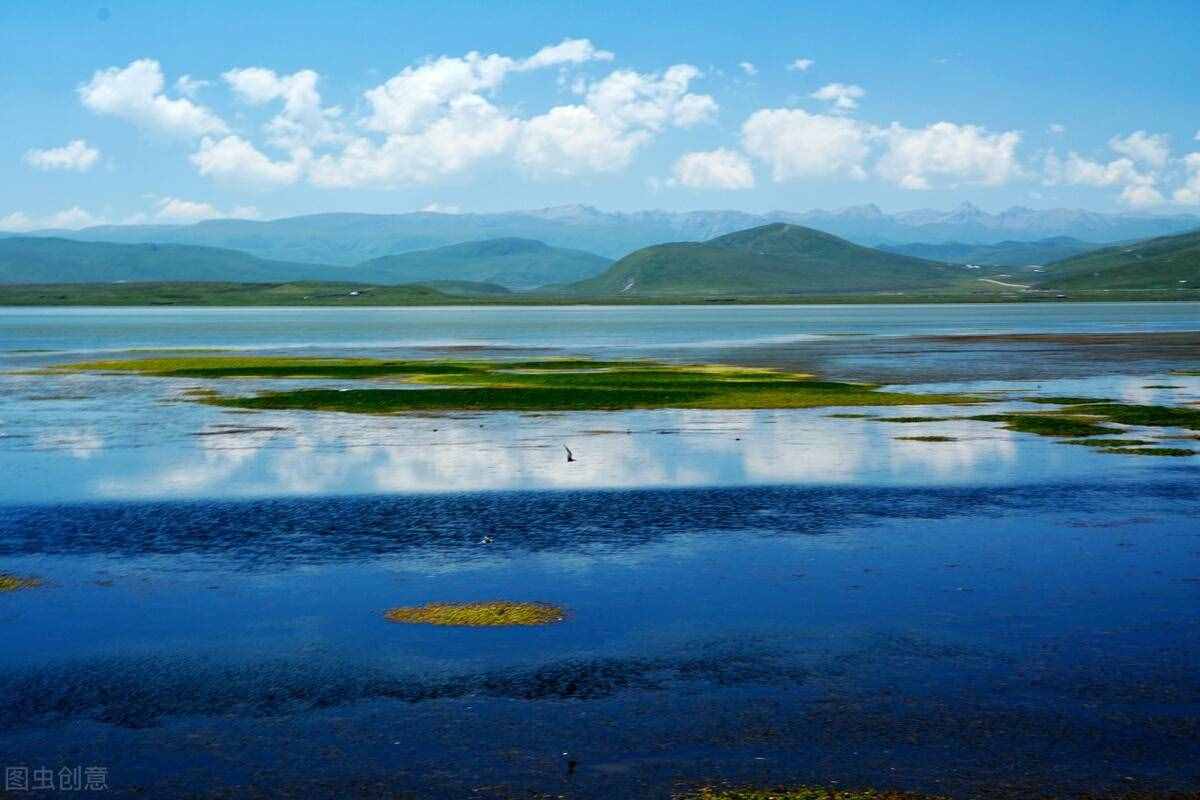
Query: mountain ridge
{"type": "Point", "coordinates": [351, 238]}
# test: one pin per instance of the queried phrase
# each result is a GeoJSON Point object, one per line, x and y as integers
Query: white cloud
{"type": "Point", "coordinates": [570, 140]}
{"type": "Point", "coordinates": [189, 87]}
{"type": "Point", "coordinates": [748, 68]}
{"type": "Point", "coordinates": [1189, 193]}
{"type": "Point", "coordinates": [798, 145]}
{"type": "Point", "coordinates": [842, 96]}
{"type": "Point", "coordinates": [1136, 171]}
{"type": "Point", "coordinates": [1057, 128]}
{"type": "Point", "coordinates": [135, 93]}
{"type": "Point", "coordinates": [1141, 196]}
{"type": "Point", "coordinates": [235, 160]}
{"type": "Point", "coordinates": [568, 51]}
{"type": "Point", "coordinates": [76, 155]}
{"type": "Point", "coordinates": [916, 158]}
{"type": "Point", "coordinates": [303, 122]}
{"type": "Point", "coordinates": [801, 65]}
{"type": "Point", "coordinates": [179, 211]}
{"type": "Point", "coordinates": [715, 169]}
{"type": "Point", "coordinates": [441, 208]}
{"type": "Point", "coordinates": [72, 218]}
{"type": "Point", "coordinates": [1151, 149]}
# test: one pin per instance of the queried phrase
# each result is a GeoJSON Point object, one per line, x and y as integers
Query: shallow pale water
{"type": "Point", "coordinates": [765, 596]}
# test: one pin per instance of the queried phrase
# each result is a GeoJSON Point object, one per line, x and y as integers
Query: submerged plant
{"type": "Point", "coordinates": [13, 583]}
{"type": "Point", "coordinates": [490, 614]}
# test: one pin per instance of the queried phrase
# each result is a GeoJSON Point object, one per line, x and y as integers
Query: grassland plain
{"type": "Point", "coordinates": [539, 385]}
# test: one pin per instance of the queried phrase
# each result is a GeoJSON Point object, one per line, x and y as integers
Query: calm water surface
{"type": "Point", "coordinates": [768, 597]}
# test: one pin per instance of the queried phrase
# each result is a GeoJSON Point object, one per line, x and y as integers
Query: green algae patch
{"type": "Point", "coordinates": [1109, 443]}
{"type": "Point", "coordinates": [478, 615]}
{"type": "Point", "coordinates": [15, 583]}
{"type": "Point", "coordinates": [1047, 424]}
{"type": "Point", "coordinates": [1066, 401]}
{"type": "Point", "coordinates": [1153, 416]}
{"type": "Point", "coordinates": [930, 438]}
{"type": "Point", "coordinates": [539, 385]}
{"type": "Point", "coordinates": [272, 367]}
{"type": "Point", "coordinates": [1168, 452]}
{"type": "Point", "coordinates": [800, 793]}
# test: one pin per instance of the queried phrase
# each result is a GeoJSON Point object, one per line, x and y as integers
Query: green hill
{"type": "Point", "coordinates": [25, 259]}
{"type": "Point", "coordinates": [771, 259]}
{"type": "Point", "coordinates": [512, 263]}
{"type": "Point", "coordinates": [1001, 254]}
{"type": "Point", "coordinates": [1167, 262]}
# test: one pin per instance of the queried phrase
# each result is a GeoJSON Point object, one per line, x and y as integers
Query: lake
{"type": "Point", "coordinates": [762, 597]}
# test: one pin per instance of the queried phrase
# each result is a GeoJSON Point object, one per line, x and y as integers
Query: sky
{"type": "Point", "coordinates": [173, 112]}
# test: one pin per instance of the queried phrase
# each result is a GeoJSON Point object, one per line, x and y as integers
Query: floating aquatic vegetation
{"type": "Point", "coordinates": [1150, 451]}
{"type": "Point", "coordinates": [14, 583]}
{"type": "Point", "coordinates": [912, 419]}
{"type": "Point", "coordinates": [1102, 443]}
{"type": "Point", "coordinates": [1066, 401]}
{"type": "Point", "coordinates": [930, 438]}
{"type": "Point", "coordinates": [799, 793]}
{"type": "Point", "coordinates": [545, 385]}
{"type": "Point", "coordinates": [1047, 424]}
{"type": "Point", "coordinates": [478, 615]}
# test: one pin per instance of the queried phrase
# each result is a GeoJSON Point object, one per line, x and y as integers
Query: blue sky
{"type": "Point", "coordinates": [381, 107]}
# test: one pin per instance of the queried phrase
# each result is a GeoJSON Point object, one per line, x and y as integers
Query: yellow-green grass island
{"type": "Point", "coordinates": [490, 614]}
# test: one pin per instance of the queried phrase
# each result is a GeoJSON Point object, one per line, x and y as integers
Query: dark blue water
{"type": "Point", "coordinates": [968, 640]}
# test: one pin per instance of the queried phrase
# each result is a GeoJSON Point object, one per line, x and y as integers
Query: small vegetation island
{"type": "Point", "coordinates": [15, 583]}
{"type": "Point", "coordinates": [490, 614]}
{"type": "Point", "coordinates": [538, 385]}
{"type": "Point", "coordinates": [576, 384]}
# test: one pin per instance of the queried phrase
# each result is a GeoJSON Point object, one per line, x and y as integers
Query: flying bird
{"type": "Point", "coordinates": [570, 455]}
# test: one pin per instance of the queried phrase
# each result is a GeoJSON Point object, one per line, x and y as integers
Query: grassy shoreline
{"type": "Point", "coordinates": [324, 294]}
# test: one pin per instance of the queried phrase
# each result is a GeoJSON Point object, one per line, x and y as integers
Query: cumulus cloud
{"type": "Point", "coordinates": [1057, 128]}
{"type": "Point", "coordinates": [568, 51]}
{"type": "Point", "coordinates": [799, 145]}
{"type": "Point", "coordinates": [77, 155]}
{"type": "Point", "coordinates": [1150, 149]}
{"type": "Point", "coordinates": [189, 87]}
{"type": "Point", "coordinates": [801, 64]}
{"type": "Point", "coordinates": [235, 160]}
{"type": "Point", "coordinates": [1137, 171]}
{"type": "Point", "coordinates": [715, 169]}
{"type": "Point", "coordinates": [748, 68]}
{"type": "Point", "coordinates": [917, 158]}
{"type": "Point", "coordinates": [135, 93]}
{"type": "Point", "coordinates": [175, 210]}
{"type": "Point", "coordinates": [73, 218]}
{"type": "Point", "coordinates": [841, 96]}
{"type": "Point", "coordinates": [303, 122]}
{"type": "Point", "coordinates": [1189, 193]}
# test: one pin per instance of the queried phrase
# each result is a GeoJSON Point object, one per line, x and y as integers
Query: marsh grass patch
{"type": "Point", "coordinates": [528, 386]}
{"type": "Point", "coordinates": [491, 614]}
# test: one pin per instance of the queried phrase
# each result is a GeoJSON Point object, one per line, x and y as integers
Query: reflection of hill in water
{"type": "Point", "coordinates": [264, 534]}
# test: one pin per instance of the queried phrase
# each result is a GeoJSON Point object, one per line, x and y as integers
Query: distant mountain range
{"type": "Point", "coordinates": [770, 259]}
{"type": "Point", "coordinates": [1001, 254]}
{"type": "Point", "coordinates": [511, 263]}
{"type": "Point", "coordinates": [349, 239]}
{"type": "Point", "coordinates": [464, 268]}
